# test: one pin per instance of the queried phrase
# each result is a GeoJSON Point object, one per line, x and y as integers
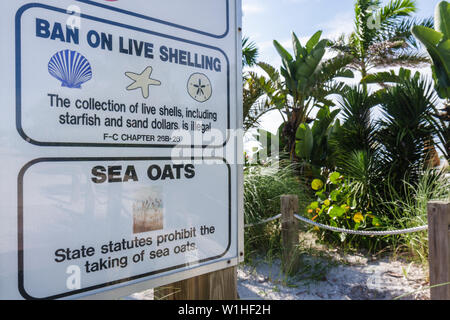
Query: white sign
{"type": "Point", "coordinates": [119, 162]}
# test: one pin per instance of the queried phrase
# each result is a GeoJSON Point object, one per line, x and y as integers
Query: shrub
{"type": "Point", "coordinates": [338, 205]}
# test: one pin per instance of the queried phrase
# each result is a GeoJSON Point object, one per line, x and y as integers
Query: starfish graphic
{"type": "Point", "coordinates": [142, 81]}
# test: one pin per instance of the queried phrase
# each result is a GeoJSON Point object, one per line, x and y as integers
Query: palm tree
{"type": "Point", "coordinates": [253, 86]}
{"type": "Point", "coordinates": [255, 102]}
{"type": "Point", "coordinates": [250, 52]}
{"type": "Point", "coordinates": [304, 82]}
{"type": "Point", "coordinates": [357, 131]}
{"type": "Point", "coordinates": [406, 128]}
{"type": "Point", "coordinates": [382, 36]}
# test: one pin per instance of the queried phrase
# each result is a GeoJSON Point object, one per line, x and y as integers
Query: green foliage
{"type": "Point", "coordinates": [365, 175]}
{"type": "Point", "coordinates": [250, 52]}
{"type": "Point", "coordinates": [305, 71]}
{"type": "Point", "coordinates": [312, 145]}
{"type": "Point", "coordinates": [437, 43]}
{"type": "Point", "coordinates": [357, 131]}
{"type": "Point", "coordinates": [263, 187]}
{"type": "Point", "coordinates": [405, 76]}
{"type": "Point", "coordinates": [255, 105]}
{"type": "Point", "coordinates": [379, 158]}
{"type": "Point", "coordinates": [269, 145]}
{"type": "Point", "coordinates": [391, 77]}
{"type": "Point", "coordinates": [382, 36]}
{"type": "Point", "coordinates": [411, 212]}
{"type": "Point", "coordinates": [405, 129]}
{"type": "Point", "coordinates": [337, 205]}
{"type": "Point", "coordinates": [308, 80]}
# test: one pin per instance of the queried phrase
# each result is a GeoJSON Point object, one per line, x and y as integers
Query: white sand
{"type": "Point", "coordinates": [358, 280]}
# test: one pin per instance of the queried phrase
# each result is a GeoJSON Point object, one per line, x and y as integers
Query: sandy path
{"type": "Point", "coordinates": [358, 279]}
{"type": "Point", "coordinates": [327, 274]}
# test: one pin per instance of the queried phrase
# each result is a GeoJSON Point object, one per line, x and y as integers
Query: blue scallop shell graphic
{"type": "Point", "coordinates": [71, 68]}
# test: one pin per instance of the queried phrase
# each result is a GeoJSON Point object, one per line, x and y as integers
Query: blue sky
{"type": "Point", "coordinates": [266, 20]}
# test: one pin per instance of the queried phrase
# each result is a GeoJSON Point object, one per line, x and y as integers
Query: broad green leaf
{"type": "Point", "coordinates": [321, 195]}
{"type": "Point", "coordinates": [345, 74]}
{"type": "Point", "coordinates": [442, 19]}
{"type": "Point", "coordinates": [334, 177]}
{"type": "Point", "coordinates": [304, 145]}
{"type": "Point", "coordinates": [304, 70]}
{"type": "Point", "coordinates": [299, 51]}
{"type": "Point", "coordinates": [334, 195]}
{"type": "Point", "coordinates": [318, 55]}
{"type": "Point", "coordinates": [376, 222]}
{"type": "Point", "coordinates": [285, 55]}
{"type": "Point", "coordinates": [321, 45]}
{"type": "Point", "coordinates": [428, 36]}
{"type": "Point", "coordinates": [439, 54]}
{"type": "Point", "coordinates": [314, 205]}
{"type": "Point", "coordinates": [336, 212]}
{"type": "Point", "coordinates": [313, 41]}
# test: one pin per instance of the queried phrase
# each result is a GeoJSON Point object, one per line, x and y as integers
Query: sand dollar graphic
{"type": "Point", "coordinates": [199, 87]}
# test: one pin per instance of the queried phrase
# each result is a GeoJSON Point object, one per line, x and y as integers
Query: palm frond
{"type": "Point", "coordinates": [250, 52]}
{"type": "Point", "coordinates": [402, 31]}
{"type": "Point", "coordinates": [390, 77]}
{"type": "Point", "coordinates": [395, 9]}
{"type": "Point", "coordinates": [357, 130]}
{"type": "Point", "coordinates": [273, 73]}
{"type": "Point", "coordinates": [405, 128]}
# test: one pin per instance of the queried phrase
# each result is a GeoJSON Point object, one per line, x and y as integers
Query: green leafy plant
{"type": "Point", "coordinates": [357, 131]}
{"type": "Point", "coordinates": [437, 43]}
{"type": "Point", "coordinates": [308, 81]}
{"type": "Point", "coordinates": [337, 206]}
{"type": "Point", "coordinates": [411, 212]}
{"type": "Point", "coordinates": [405, 129]}
{"type": "Point", "coordinates": [250, 52]}
{"type": "Point", "coordinates": [312, 145]}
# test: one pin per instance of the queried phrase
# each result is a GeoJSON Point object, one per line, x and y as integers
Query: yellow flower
{"type": "Point", "coordinates": [327, 203]}
{"type": "Point", "coordinates": [317, 184]}
{"type": "Point", "coordinates": [317, 210]}
{"type": "Point", "coordinates": [358, 217]}
{"type": "Point", "coordinates": [310, 210]}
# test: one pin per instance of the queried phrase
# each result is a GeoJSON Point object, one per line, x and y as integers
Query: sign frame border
{"type": "Point", "coordinates": [171, 24]}
{"type": "Point", "coordinates": [20, 216]}
{"type": "Point", "coordinates": [18, 71]}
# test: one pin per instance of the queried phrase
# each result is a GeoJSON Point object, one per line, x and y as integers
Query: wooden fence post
{"type": "Point", "coordinates": [439, 248]}
{"type": "Point", "coordinates": [289, 234]}
{"type": "Point", "coordinates": [219, 285]}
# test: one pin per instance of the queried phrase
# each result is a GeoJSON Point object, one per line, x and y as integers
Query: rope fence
{"type": "Point", "coordinates": [438, 227]}
{"type": "Point", "coordinates": [341, 230]}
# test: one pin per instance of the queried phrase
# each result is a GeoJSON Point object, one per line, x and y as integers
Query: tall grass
{"type": "Point", "coordinates": [411, 212]}
{"type": "Point", "coordinates": [263, 187]}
